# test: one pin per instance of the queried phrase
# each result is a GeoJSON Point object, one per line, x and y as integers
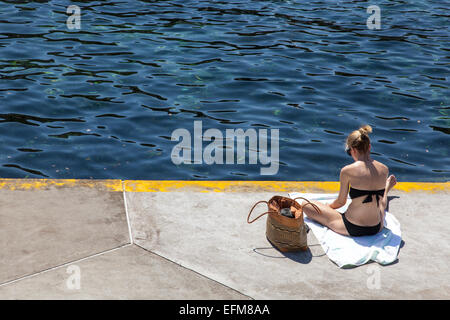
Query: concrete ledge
{"type": "Point", "coordinates": [48, 223]}
{"type": "Point", "coordinates": [200, 228]}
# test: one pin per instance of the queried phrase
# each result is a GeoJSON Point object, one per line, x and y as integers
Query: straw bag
{"type": "Point", "coordinates": [284, 233]}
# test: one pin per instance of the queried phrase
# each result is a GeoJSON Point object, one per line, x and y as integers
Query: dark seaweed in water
{"type": "Point", "coordinates": [102, 101]}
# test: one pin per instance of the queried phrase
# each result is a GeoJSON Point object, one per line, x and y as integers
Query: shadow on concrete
{"type": "Point", "coordinates": [302, 257]}
{"type": "Point", "coordinates": [389, 200]}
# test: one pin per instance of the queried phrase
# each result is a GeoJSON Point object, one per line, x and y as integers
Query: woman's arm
{"type": "Point", "coordinates": [343, 190]}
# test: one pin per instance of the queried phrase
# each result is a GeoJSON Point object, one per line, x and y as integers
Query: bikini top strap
{"type": "Point", "coordinates": [355, 193]}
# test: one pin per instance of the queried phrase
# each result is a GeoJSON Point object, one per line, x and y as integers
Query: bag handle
{"type": "Point", "coordinates": [251, 210]}
{"type": "Point", "coordinates": [309, 202]}
{"type": "Point", "coordinates": [248, 218]}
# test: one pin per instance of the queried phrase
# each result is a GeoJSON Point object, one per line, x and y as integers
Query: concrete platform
{"type": "Point", "coordinates": [191, 241]}
{"type": "Point", "coordinates": [46, 224]}
{"type": "Point", "coordinates": [126, 273]}
{"type": "Point", "coordinates": [208, 233]}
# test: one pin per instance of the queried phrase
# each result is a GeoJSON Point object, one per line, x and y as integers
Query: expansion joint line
{"type": "Point", "coordinates": [63, 265]}
{"type": "Point", "coordinates": [126, 212]}
{"type": "Point", "coordinates": [196, 272]}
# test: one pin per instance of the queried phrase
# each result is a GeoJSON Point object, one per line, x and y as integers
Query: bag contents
{"type": "Point", "coordinates": [287, 212]}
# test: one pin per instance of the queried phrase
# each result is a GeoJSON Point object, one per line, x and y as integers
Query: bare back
{"type": "Point", "coordinates": [365, 175]}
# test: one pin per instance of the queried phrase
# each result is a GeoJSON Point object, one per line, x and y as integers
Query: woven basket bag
{"type": "Point", "coordinates": [284, 233]}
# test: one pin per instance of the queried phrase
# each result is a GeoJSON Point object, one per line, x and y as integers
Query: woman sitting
{"type": "Point", "coordinates": [368, 183]}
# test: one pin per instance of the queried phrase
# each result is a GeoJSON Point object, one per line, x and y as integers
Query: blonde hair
{"type": "Point", "coordinates": [359, 139]}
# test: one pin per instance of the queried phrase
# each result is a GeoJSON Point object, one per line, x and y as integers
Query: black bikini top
{"type": "Point", "coordinates": [355, 193]}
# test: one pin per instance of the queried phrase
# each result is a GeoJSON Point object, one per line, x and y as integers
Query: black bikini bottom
{"type": "Point", "coordinates": [357, 231]}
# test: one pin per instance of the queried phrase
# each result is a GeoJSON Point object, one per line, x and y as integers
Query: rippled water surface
{"type": "Point", "coordinates": [103, 101]}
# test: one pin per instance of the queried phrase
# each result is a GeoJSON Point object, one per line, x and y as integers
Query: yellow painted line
{"type": "Point", "coordinates": [227, 186]}
{"type": "Point", "coordinates": [203, 186]}
{"type": "Point", "coordinates": [423, 186]}
{"type": "Point", "coordinates": [45, 184]}
{"type": "Point", "coordinates": [269, 186]}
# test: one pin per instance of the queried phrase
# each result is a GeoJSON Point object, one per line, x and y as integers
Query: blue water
{"type": "Point", "coordinates": [103, 101]}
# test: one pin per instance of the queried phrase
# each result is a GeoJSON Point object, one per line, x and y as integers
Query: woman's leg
{"type": "Point", "coordinates": [328, 217]}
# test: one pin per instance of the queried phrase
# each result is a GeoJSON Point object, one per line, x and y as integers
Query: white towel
{"type": "Point", "coordinates": [346, 251]}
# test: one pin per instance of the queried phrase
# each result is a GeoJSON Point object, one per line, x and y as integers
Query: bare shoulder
{"type": "Point", "coordinates": [381, 167]}
{"type": "Point", "coordinates": [346, 170]}
{"type": "Point", "coordinates": [351, 167]}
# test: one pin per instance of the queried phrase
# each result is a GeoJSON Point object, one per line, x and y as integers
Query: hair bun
{"type": "Point", "coordinates": [365, 129]}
